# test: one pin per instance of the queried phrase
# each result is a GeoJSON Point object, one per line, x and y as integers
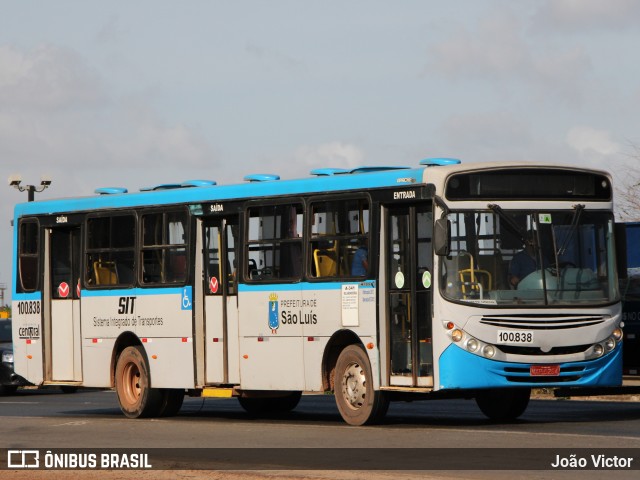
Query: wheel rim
{"type": "Point", "coordinates": [354, 386]}
{"type": "Point", "coordinates": [131, 384]}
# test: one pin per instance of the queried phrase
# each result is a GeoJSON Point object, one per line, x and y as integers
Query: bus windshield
{"type": "Point", "coordinates": [514, 258]}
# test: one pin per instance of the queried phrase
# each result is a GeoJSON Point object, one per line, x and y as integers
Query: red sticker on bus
{"type": "Point", "coordinates": [63, 289]}
{"type": "Point", "coordinates": [213, 285]}
{"type": "Point", "coordinates": [544, 370]}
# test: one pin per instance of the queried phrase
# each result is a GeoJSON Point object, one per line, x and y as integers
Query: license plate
{"type": "Point", "coordinates": [515, 337]}
{"type": "Point", "coordinates": [544, 370]}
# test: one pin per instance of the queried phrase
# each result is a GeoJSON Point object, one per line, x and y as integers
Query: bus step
{"type": "Point", "coordinates": [217, 392]}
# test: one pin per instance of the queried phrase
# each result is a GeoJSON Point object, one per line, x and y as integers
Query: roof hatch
{"type": "Point", "coordinates": [110, 190]}
{"type": "Point", "coordinates": [439, 162]}
{"type": "Point", "coordinates": [261, 177]}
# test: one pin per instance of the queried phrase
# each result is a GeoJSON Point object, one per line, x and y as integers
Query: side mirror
{"type": "Point", "coordinates": [442, 237]}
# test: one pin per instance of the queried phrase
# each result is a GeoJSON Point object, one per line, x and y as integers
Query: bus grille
{"type": "Point", "coordinates": [543, 321]}
{"type": "Point", "coordinates": [519, 350]}
{"type": "Point", "coordinates": [570, 373]}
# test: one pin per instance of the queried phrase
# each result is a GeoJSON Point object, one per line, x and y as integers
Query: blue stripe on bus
{"type": "Point", "coordinates": [128, 292]}
{"type": "Point", "coordinates": [221, 193]}
{"type": "Point", "coordinates": [124, 292]}
{"type": "Point", "coordinates": [271, 287]}
{"type": "Point", "coordinates": [27, 296]}
{"type": "Point", "coordinates": [306, 286]}
{"type": "Point", "coordinates": [460, 369]}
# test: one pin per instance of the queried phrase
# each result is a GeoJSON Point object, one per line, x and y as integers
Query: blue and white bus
{"type": "Point", "coordinates": [375, 283]}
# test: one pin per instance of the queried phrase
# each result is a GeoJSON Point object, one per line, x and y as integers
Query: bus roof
{"type": "Point", "coordinates": [323, 180]}
{"type": "Point", "coordinates": [257, 185]}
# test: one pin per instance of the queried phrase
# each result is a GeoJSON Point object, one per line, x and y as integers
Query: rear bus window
{"type": "Point", "coordinates": [28, 256]}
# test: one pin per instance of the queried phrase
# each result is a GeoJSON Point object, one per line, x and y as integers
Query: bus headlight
{"type": "Point", "coordinates": [598, 349]}
{"type": "Point", "coordinates": [617, 334]}
{"type": "Point", "coordinates": [609, 344]}
{"type": "Point", "coordinates": [472, 345]}
{"type": "Point", "coordinates": [7, 357]}
{"type": "Point", "coordinates": [488, 351]}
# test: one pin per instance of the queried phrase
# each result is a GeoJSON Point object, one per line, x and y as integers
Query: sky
{"type": "Point", "coordinates": [144, 92]}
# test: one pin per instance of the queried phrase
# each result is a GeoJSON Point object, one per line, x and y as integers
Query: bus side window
{"type": "Point", "coordinates": [339, 235]}
{"type": "Point", "coordinates": [164, 247]}
{"type": "Point", "coordinates": [110, 250]}
{"type": "Point", "coordinates": [105, 273]}
{"type": "Point", "coordinates": [274, 242]}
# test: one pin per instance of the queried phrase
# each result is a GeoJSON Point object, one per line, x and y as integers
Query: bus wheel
{"type": "Point", "coordinates": [357, 401]}
{"type": "Point", "coordinates": [171, 402]}
{"type": "Point", "coordinates": [135, 396]}
{"type": "Point", "coordinates": [8, 389]}
{"type": "Point", "coordinates": [503, 404]}
{"type": "Point", "coordinates": [270, 405]}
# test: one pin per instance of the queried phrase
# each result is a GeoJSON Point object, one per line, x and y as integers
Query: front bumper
{"type": "Point", "coordinates": [460, 369]}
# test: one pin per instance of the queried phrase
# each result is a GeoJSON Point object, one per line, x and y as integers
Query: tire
{"type": "Point", "coordinates": [503, 404]}
{"type": "Point", "coordinates": [270, 405]}
{"type": "Point", "coordinates": [68, 389]}
{"type": "Point", "coordinates": [357, 401]}
{"type": "Point", "coordinates": [136, 398]}
{"type": "Point", "coordinates": [171, 402]}
{"type": "Point", "coordinates": [8, 389]}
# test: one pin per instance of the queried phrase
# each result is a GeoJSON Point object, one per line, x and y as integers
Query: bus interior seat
{"type": "Point", "coordinates": [325, 262]}
{"type": "Point", "coordinates": [105, 273]}
{"type": "Point", "coordinates": [177, 270]}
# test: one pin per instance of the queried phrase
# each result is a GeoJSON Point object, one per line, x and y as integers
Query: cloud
{"type": "Point", "coordinates": [592, 145]}
{"type": "Point", "coordinates": [333, 154]}
{"type": "Point", "coordinates": [110, 31]}
{"type": "Point", "coordinates": [586, 15]}
{"type": "Point", "coordinates": [47, 78]}
{"type": "Point", "coordinates": [481, 135]}
{"type": "Point", "coordinates": [495, 48]}
{"type": "Point", "coordinates": [498, 51]}
{"type": "Point", "coordinates": [55, 113]}
{"type": "Point", "coordinates": [271, 59]}
{"type": "Point", "coordinates": [151, 141]}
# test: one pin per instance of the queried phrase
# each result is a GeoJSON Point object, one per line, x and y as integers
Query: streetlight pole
{"type": "Point", "coordinates": [15, 182]}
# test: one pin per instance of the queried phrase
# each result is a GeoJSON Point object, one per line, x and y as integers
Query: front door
{"type": "Point", "coordinates": [221, 301]}
{"type": "Point", "coordinates": [64, 290]}
{"type": "Point", "coordinates": [409, 264]}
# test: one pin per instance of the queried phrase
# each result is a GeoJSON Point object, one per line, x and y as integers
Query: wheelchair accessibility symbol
{"type": "Point", "coordinates": [186, 298]}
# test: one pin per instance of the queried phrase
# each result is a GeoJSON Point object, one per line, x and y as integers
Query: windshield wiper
{"type": "Point", "coordinates": [508, 220]}
{"type": "Point", "coordinates": [577, 213]}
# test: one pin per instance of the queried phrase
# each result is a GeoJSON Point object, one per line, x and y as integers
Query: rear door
{"type": "Point", "coordinates": [221, 300]}
{"type": "Point", "coordinates": [63, 284]}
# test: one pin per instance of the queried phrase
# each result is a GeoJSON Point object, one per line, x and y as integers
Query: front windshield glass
{"type": "Point", "coordinates": [509, 258]}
